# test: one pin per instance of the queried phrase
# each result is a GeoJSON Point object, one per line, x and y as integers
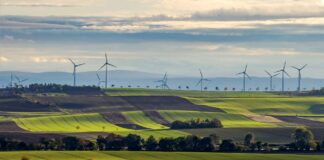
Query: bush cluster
{"type": "Point", "coordinates": [214, 123]}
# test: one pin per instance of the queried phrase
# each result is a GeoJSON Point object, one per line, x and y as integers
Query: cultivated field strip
{"type": "Point", "coordinates": [288, 106]}
{"type": "Point", "coordinates": [94, 122]}
{"type": "Point", "coordinates": [68, 123]}
{"type": "Point", "coordinates": [139, 118]}
{"type": "Point", "coordinates": [228, 120]}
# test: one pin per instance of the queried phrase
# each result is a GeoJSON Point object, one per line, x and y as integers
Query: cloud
{"type": "Point", "coordinates": [46, 3]}
{"type": "Point", "coordinates": [231, 50]}
{"type": "Point", "coordinates": [3, 59]}
{"type": "Point", "coordinates": [50, 59]}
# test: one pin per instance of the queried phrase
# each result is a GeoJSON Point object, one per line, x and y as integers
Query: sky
{"type": "Point", "coordinates": [175, 36]}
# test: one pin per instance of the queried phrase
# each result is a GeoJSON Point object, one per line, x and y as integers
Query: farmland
{"type": "Point", "coordinates": [123, 155]}
{"type": "Point", "coordinates": [149, 112]}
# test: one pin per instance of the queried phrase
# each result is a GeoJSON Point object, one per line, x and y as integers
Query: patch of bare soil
{"type": "Point", "coordinates": [9, 126]}
{"type": "Point", "coordinates": [120, 120]}
{"type": "Point", "coordinates": [29, 137]}
{"type": "Point", "coordinates": [20, 104]}
{"type": "Point", "coordinates": [156, 117]}
{"type": "Point", "coordinates": [297, 120]}
{"type": "Point", "coordinates": [166, 103]}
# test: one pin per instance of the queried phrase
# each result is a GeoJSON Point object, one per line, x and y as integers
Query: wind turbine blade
{"type": "Point", "coordinates": [80, 64]}
{"type": "Point", "coordinates": [71, 61]}
{"type": "Point", "coordinates": [201, 74]}
{"type": "Point", "coordinates": [207, 80]}
{"type": "Point", "coordinates": [111, 65]}
{"type": "Point", "coordinates": [240, 73]}
{"type": "Point", "coordinates": [294, 67]}
{"type": "Point", "coordinates": [248, 76]}
{"type": "Point", "coordinates": [284, 67]}
{"type": "Point", "coordinates": [106, 57]}
{"type": "Point", "coordinates": [268, 73]}
{"type": "Point", "coordinates": [98, 77]}
{"type": "Point", "coordinates": [276, 75]}
{"type": "Point", "coordinates": [102, 66]}
{"type": "Point", "coordinates": [304, 66]}
{"type": "Point", "coordinates": [278, 71]}
{"type": "Point", "coordinates": [199, 82]}
{"type": "Point", "coordinates": [24, 80]}
{"type": "Point", "coordinates": [245, 68]}
{"type": "Point", "coordinates": [17, 78]}
{"type": "Point", "coordinates": [286, 73]}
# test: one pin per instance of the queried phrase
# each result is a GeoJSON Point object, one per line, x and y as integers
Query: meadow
{"type": "Point", "coordinates": [124, 155]}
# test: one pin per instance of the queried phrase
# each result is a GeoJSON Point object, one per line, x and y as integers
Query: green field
{"type": "Point", "coordinates": [266, 106]}
{"type": "Point", "coordinates": [91, 123]}
{"type": "Point", "coordinates": [68, 123]}
{"type": "Point", "coordinates": [123, 155]}
{"type": "Point", "coordinates": [228, 120]}
{"type": "Point", "coordinates": [185, 93]}
{"type": "Point", "coordinates": [139, 118]}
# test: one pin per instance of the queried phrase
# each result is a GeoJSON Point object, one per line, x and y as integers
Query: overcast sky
{"type": "Point", "coordinates": [174, 36]}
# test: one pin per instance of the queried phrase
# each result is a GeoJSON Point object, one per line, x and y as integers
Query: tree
{"type": "Point", "coordinates": [133, 142]}
{"type": "Point", "coordinates": [151, 144]}
{"type": "Point", "coordinates": [249, 139]}
{"type": "Point", "coordinates": [227, 145]}
{"type": "Point", "coordinates": [167, 144]}
{"type": "Point", "coordinates": [70, 143]}
{"type": "Point", "coordinates": [303, 139]}
{"type": "Point", "coordinates": [206, 145]}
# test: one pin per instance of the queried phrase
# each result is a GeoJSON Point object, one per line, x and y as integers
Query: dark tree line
{"type": "Point", "coordinates": [214, 123]}
{"type": "Point", "coordinates": [55, 88]}
{"type": "Point", "coordinates": [303, 142]}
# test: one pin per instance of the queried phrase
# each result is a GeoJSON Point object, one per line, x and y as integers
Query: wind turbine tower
{"type": "Point", "coordinates": [106, 64]}
{"type": "Point", "coordinates": [283, 73]}
{"type": "Point", "coordinates": [245, 74]}
{"type": "Point", "coordinates": [202, 79]}
{"type": "Point", "coordinates": [271, 78]}
{"type": "Point", "coordinates": [99, 80]}
{"type": "Point", "coordinates": [299, 76]}
{"type": "Point", "coordinates": [75, 66]}
{"type": "Point", "coordinates": [164, 82]}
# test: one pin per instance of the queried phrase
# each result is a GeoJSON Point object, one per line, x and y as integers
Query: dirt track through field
{"type": "Point", "coordinates": [297, 120]}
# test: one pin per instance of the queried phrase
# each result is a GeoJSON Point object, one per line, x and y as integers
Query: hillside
{"type": "Point", "coordinates": [149, 112]}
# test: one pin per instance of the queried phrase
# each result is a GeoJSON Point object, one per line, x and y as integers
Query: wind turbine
{"type": "Point", "coordinates": [299, 75]}
{"type": "Point", "coordinates": [202, 79]}
{"type": "Point", "coordinates": [106, 64]}
{"type": "Point", "coordinates": [283, 72]}
{"type": "Point", "coordinates": [99, 80]}
{"type": "Point", "coordinates": [164, 81]}
{"type": "Point", "coordinates": [271, 78]}
{"type": "Point", "coordinates": [20, 80]}
{"type": "Point", "coordinates": [75, 66]}
{"type": "Point", "coordinates": [244, 73]}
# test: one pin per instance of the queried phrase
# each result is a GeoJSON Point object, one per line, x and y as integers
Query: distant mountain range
{"type": "Point", "coordinates": [142, 79]}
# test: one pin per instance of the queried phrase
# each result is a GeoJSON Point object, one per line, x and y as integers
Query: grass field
{"type": "Point", "coordinates": [139, 118]}
{"type": "Point", "coordinates": [68, 123]}
{"type": "Point", "coordinates": [266, 106]}
{"type": "Point", "coordinates": [228, 120]}
{"type": "Point", "coordinates": [91, 123]}
{"type": "Point", "coordinates": [184, 93]}
{"type": "Point", "coordinates": [123, 155]}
